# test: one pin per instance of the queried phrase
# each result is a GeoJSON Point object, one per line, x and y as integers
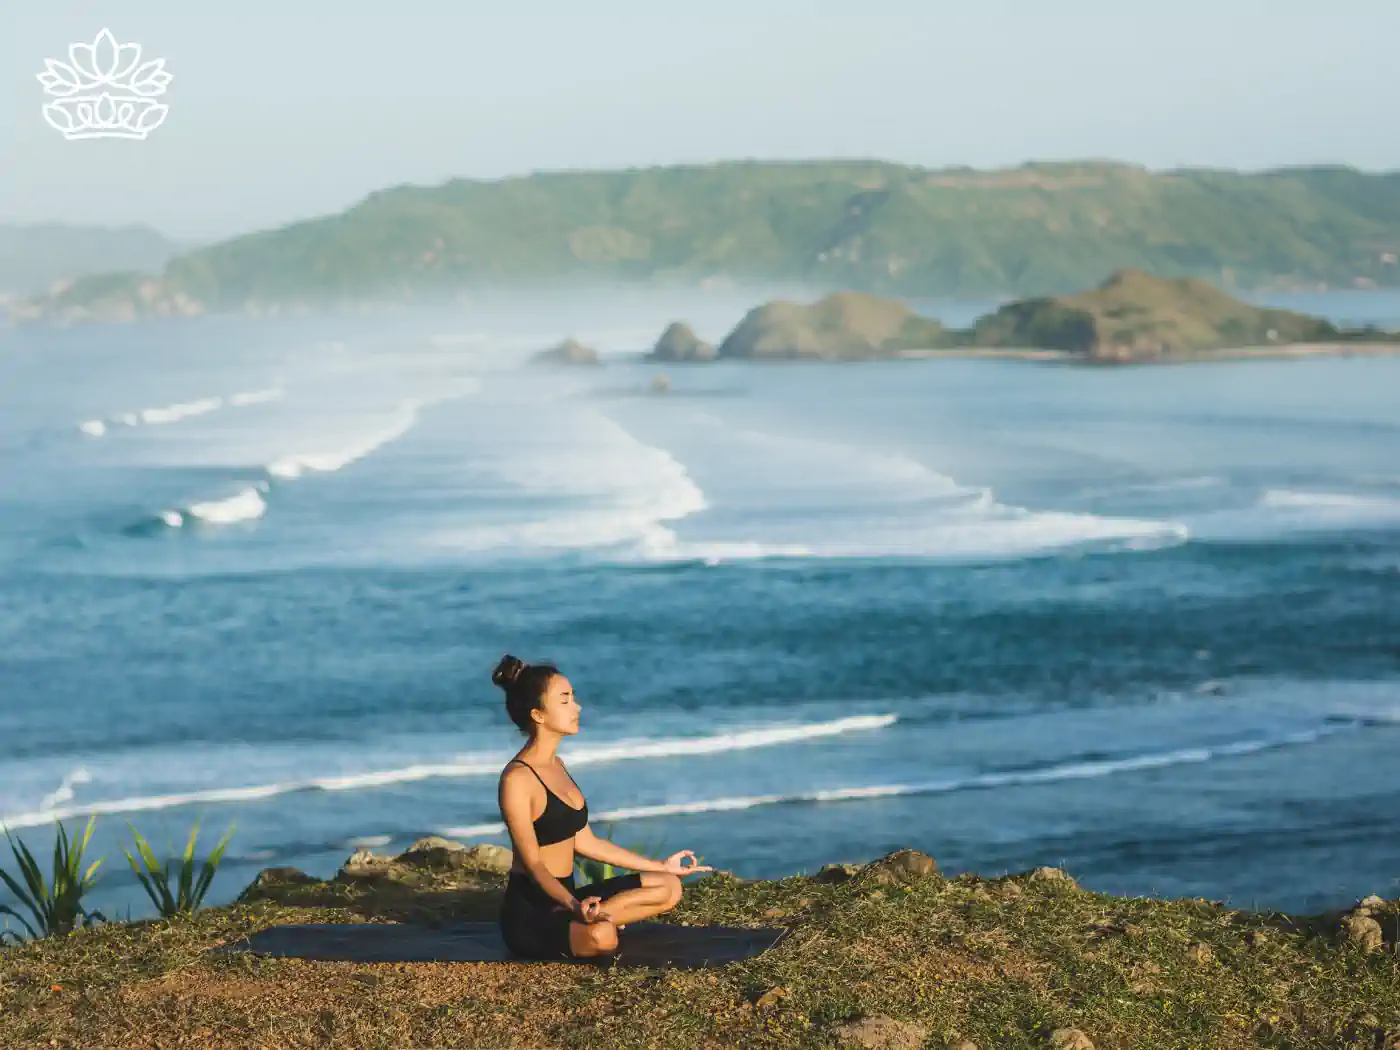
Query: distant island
{"type": "Point", "coordinates": [36, 256]}
{"type": "Point", "coordinates": [1131, 317]}
{"type": "Point", "coordinates": [1038, 230]}
{"type": "Point", "coordinates": [569, 352]}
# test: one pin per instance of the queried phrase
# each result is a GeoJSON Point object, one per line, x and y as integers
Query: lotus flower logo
{"type": "Point", "coordinates": [105, 91]}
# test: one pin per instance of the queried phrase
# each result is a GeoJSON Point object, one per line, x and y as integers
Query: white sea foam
{"type": "Point", "coordinates": [612, 491]}
{"type": "Point", "coordinates": [299, 463]}
{"type": "Point", "coordinates": [369, 841]}
{"type": "Point", "coordinates": [463, 766]}
{"type": "Point", "coordinates": [175, 413]}
{"type": "Point", "coordinates": [246, 505]}
{"type": "Point", "coordinates": [858, 502]}
{"type": "Point", "coordinates": [1083, 770]}
{"type": "Point", "coordinates": [64, 791]}
{"type": "Point", "coordinates": [257, 397]}
{"type": "Point", "coordinates": [1329, 501]}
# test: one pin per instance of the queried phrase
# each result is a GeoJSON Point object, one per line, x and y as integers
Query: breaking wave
{"type": "Point", "coordinates": [465, 766]}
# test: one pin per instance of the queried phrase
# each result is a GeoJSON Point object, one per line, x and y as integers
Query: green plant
{"type": "Point", "coordinates": [590, 870]}
{"type": "Point", "coordinates": [55, 904]}
{"type": "Point", "coordinates": [155, 877]}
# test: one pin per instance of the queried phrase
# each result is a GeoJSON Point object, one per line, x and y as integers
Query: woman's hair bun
{"type": "Point", "coordinates": [507, 671]}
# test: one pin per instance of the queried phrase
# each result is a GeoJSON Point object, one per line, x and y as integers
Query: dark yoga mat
{"type": "Point", "coordinates": [641, 944]}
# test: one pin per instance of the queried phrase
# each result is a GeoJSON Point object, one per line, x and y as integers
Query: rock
{"type": "Point", "coordinates": [569, 352]}
{"type": "Point", "coordinates": [271, 878]}
{"type": "Point", "coordinates": [680, 343]}
{"type": "Point", "coordinates": [1053, 877]}
{"type": "Point", "coordinates": [836, 873]}
{"type": "Point", "coordinates": [882, 1033]}
{"type": "Point", "coordinates": [488, 857]}
{"type": "Point", "coordinates": [1369, 905]}
{"type": "Point", "coordinates": [660, 384]}
{"type": "Point", "coordinates": [364, 863]}
{"type": "Point", "coordinates": [1364, 932]}
{"type": "Point", "coordinates": [901, 866]}
{"type": "Point", "coordinates": [723, 875]}
{"type": "Point", "coordinates": [840, 326]}
{"type": "Point", "coordinates": [432, 842]}
{"type": "Point", "coordinates": [771, 997]}
{"type": "Point", "coordinates": [1070, 1039]}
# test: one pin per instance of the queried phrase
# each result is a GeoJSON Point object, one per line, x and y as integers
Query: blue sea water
{"type": "Point", "coordinates": [1141, 623]}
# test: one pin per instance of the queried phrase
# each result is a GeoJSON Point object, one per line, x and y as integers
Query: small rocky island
{"type": "Point", "coordinates": [840, 326]}
{"type": "Point", "coordinates": [680, 343]}
{"type": "Point", "coordinates": [569, 352]}
{"type": "Point", "coordinates": [1136, 316]}
{"type": "Point", "coordinates": [1132, 317]}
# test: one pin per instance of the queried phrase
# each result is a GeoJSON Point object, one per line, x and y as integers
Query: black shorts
{"type": "Point", "coordinates": [534, 926]}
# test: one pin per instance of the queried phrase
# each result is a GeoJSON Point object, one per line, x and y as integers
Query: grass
{"type": "Point", "coordinates": [54, 902]}
{"type": "Point", "coordinates": [155, 877]}
{"type": "Point", "coordinates": [1000, 961]}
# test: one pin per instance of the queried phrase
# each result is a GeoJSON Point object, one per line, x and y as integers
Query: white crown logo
{"type": "Point", "coordinates": [105, 93]}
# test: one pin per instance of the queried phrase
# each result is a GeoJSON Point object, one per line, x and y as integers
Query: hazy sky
{"type": "Point", "coordinates": [292, 109]}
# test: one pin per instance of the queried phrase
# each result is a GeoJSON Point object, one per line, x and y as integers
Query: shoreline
{"type": "Point", "coordinates": [1285, 352]}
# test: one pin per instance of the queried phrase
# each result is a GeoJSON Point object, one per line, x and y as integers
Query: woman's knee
{"type": "Point", "coordinates": [674, 889]}
{"type": "Point", "coordinates": [595, 938]}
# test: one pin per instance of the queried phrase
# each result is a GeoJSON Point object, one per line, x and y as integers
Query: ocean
{"type": "Point", "coordinates": [1140, 623]}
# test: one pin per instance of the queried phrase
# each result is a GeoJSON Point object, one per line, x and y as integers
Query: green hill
{"type": "Point", "coordinates": [1037, 230]}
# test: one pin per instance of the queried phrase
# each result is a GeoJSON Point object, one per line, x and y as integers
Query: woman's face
{"type": "Point", "coordinates": [559, 708]}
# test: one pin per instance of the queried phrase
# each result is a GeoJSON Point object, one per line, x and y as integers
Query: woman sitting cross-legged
{"type": "Point", "coordinates": [543, 915]}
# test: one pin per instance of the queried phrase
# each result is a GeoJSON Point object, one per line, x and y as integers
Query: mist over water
{"type": "Point", "coordinates": [1138, 622]}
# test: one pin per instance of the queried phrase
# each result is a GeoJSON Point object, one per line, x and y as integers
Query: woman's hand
{"type": "Point", "coordinates": [590, 910]}
{"type": "Point", "coordinates": [675, 867]}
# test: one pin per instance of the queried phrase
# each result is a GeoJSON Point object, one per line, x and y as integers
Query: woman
{"type": "Point", "coordinates": [543, 916]}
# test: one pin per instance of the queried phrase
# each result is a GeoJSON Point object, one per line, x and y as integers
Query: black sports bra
{"type": "Point", "coordinates": [559, 821]}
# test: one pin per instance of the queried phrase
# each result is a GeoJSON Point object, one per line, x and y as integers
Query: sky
{"type": "Point", "coordinates": [290, 110]}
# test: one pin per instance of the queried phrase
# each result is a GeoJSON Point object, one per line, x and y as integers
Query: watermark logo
{"type": "Point", "coordinates": [105, 91]}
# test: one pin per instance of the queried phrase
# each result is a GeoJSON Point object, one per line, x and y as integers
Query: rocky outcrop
{"type": "Point", "coordinates": [1135, 316]}
{"type": "Point", "coordinates": [680, 343]}
{"type": "Point", "coordinates": [840, 326]}
{"type": "Point", "coordinates": [569, 352]}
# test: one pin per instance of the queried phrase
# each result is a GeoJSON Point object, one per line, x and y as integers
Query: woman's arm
{"type": "Point", "coordinates": [587, 844]}
{"type": "Point", "coordinates": [515, 789]}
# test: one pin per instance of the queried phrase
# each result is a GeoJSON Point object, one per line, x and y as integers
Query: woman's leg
{"type": "Point", "coordinates": [659, 892]}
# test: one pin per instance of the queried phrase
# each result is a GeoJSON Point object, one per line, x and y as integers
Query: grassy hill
{"type": "Point", "coordinates": [890, 954]}
{"type": "Point", "coordinates": [1041, 229]}
{"type": "Point", "coordinates": [1132, 316]}
{"type": "Point", "coordinates": [1135, 315]}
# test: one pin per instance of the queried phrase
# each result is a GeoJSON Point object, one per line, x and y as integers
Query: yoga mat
{"type": "Point", "coordinates": [641, 944]}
